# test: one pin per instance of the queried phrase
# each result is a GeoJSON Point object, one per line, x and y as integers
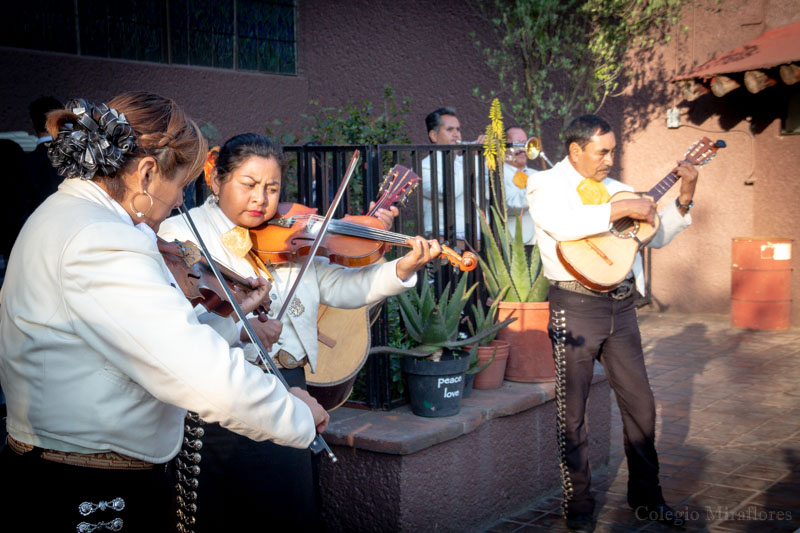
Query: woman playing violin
{"type": "Point", "coordinates": [246, 183]}
{"type": "Point", "coordinates": [100, 354]}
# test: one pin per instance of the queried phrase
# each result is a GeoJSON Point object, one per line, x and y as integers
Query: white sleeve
{"type": "Point", "coordinates": [672, 223]}
{"type": "Point", "coordinates": [351, 288]}
{"type": "Point", "coordinates": [121, 304]}
{"type": "Point", "coordinates": [226, 326]}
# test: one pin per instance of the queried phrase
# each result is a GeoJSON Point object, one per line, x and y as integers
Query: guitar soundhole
{"type": "Point", "coordinates": [628, 230]}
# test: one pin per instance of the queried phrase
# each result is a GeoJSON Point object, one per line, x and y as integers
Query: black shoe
{"type": "Point", "coordinates": [580, 522]}
{"type": "Point", "coordinates": [661, 513]}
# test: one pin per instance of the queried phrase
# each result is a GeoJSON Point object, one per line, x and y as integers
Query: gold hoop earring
{"type": "Point", "coordinates": [135, 211]}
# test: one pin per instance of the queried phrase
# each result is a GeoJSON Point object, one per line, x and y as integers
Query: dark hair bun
{"type": "Point", "coordinates": [96, 141]}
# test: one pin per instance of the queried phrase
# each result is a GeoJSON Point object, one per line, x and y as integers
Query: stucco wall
{"type": "Point", "coordinates": [750, 189]}
{"type": "Point", "coordinates": [463, 484]}
{"type": "Point", "coordinates": [422, 49]}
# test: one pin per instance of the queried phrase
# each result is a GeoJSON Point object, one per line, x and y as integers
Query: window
{"type": "Point", "coordinates": [790, 125]}
{"type": "Point", "coordinates": [254, 35]}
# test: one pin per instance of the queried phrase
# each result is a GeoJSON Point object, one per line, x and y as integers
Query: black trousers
{"type": "Point", "coordinates": [589, 328]}
{"type": "Point", "coordinates": [246, 485]}
{"type": "Point", "coordinates": [46, 496]}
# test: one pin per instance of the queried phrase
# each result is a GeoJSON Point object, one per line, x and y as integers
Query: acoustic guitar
{"type": "Point", "coordinates": [344, 334]}
{"type": "Point", "coordinates": [601, 262]}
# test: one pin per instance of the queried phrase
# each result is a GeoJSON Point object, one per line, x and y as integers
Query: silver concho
{"type": "Point", "coordinates": [87, 508]}
{"type": "Point", "coordinates": [296, 308]}
{"type": "Point", "coordinates": [114, 525]}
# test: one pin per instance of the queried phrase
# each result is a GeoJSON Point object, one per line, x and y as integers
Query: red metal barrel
{"type": "Point", "coordinates": [761, 282]}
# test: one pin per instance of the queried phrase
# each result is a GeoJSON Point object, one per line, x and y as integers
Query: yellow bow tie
{"type": "Point", "coordinates": [593, 192]}
{"type": "Point", "coordinates": [237, 241]}
{"type": "Point", "coordinates": [520, 179]}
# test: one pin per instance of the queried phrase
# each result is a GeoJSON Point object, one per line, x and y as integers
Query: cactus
{"type": "Point", "coordinates": [506, 263]}
{"type": "Point", "coordinates": [433, 324]}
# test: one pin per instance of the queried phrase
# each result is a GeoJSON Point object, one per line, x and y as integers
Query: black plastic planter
{"type": "Point", "coordinates": [435, 388]}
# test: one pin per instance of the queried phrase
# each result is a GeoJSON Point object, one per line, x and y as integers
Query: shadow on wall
{"type": "Point", "coordinates": [647, 94]}
{"type": "Point", "coordinates": [760, 109]}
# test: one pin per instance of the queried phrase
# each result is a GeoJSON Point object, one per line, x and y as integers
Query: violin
{"type": "Point", "coordinates": [352, 241]}
{"type": "Point", "coordinates": [198, 283]}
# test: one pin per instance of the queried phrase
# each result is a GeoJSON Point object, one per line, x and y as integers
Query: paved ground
{"type": "Point", "coordinates": [728, 432]}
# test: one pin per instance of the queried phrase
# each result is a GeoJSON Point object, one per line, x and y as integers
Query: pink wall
{"type": "Point", "coordinates": [750, 189]}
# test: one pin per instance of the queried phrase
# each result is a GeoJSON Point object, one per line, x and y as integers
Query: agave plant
{"type": "Point", "coordinates": [433, 325]}
{"type": "Point", "coordinates": [506, 263]}
{"type": "Point", "coordinates": [486, 319]}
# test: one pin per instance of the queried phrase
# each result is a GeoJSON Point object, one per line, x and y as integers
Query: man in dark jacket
{"type": "Point", "coordinates": [41, 175]}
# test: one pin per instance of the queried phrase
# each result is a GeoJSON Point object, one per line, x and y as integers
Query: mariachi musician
{"type": "Point", "coordinates": [570, 202]}
{"type": "Point", "coordinates": [239, 475]}
{"type": "Point", "coordinates": [100, 354]}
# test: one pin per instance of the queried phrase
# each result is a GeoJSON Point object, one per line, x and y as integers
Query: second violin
{"type": "Point", "coordinates": [351, 241]}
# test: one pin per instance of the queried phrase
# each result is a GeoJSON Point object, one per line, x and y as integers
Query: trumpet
{"type": "Point", "coordinates": [533, 149]}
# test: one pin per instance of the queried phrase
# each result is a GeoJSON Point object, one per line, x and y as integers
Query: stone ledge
{"type": "Point", "coordinates": [400, 432]}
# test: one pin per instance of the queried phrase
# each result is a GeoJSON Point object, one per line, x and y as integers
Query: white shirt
{"type": "Point", "coordinates": [560, 215]}
{"type": "Point", "coordinates": [458, 192]}
{"type": "Point", "coordinates": [517, 203]}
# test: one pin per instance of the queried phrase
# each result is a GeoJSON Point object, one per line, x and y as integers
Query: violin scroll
{"type": "Point", "coordinates": [465, 262]}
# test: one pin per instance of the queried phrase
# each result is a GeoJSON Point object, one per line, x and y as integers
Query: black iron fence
{"type": "Point", "coordinates": [458, 184]}
{"type": "Point", "coordinates": [314, 174]}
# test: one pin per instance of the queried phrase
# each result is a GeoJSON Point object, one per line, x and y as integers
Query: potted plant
{"type": "Point", "coordinates": [489, 362]}
{"type": "Point", "coordinates": [436, 366]}
{"type": "Point", "coordinates": [506, 262]}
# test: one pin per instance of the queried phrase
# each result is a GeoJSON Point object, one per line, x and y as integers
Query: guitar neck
{"type": "Point", "coordinates": [662, 187]}
{"type": "Point", "coordinates": [384, 202]}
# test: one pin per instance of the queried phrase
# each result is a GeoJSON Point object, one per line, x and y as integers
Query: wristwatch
{"type": "Point", "coordinates": [684, 206]}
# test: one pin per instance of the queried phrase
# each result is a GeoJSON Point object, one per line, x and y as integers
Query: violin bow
{"type": "Point", "coordinates": [318, 444]}
{"type": "Point", "coordinates": [322, 230]}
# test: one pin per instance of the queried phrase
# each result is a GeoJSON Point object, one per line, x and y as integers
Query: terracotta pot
{"type": "Point", "coordinates": [531, 356]}
{"type": "Point", "coordinates": [492, 376]}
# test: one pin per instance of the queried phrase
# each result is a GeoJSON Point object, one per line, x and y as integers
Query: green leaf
{"type": "Point", "coordinates": [520, 271]}
{"type": "Point", "coordinates": [497, 266]}
{"type": "Point", "coordinates": [477, 367]}
{"type": "Point", "coordinates": [477, 338]}
{"type": "Point", "coordinates": [410, 318]}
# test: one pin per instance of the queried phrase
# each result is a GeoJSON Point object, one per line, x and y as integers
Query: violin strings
{"type": "Point", "coordinates": [356, 230]}
{"type": "Point", "coordinates": [363, 231]}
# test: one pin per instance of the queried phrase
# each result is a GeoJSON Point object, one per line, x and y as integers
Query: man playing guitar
{"type": "Point", "coordinates": [571, 202]}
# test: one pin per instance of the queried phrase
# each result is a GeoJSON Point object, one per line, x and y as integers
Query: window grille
{"type": "Point", "coordinates": [251, 35]}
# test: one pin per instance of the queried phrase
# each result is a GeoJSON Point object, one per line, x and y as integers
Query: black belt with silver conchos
{"type": "Point", "coordinates": [621, 292]}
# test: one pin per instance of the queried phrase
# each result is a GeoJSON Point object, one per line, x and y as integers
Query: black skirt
{"type": "Point", "coordinates": [247, 485]}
